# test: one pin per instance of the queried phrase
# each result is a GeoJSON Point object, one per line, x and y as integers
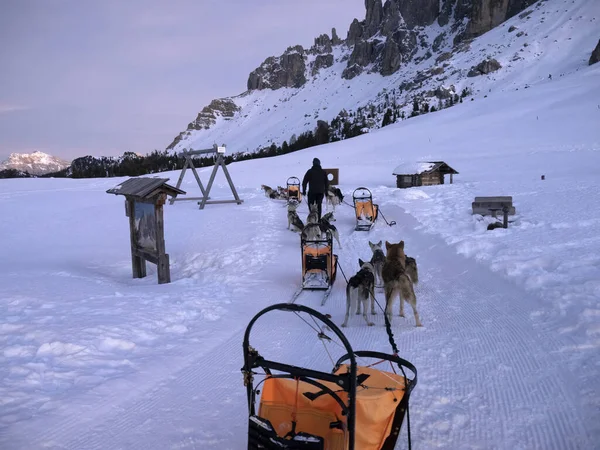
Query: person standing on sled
{"type": "Point", "coordinates": [316, 178]}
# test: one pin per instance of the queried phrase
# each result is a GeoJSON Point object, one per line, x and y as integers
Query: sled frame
{"type": "Point", "coordinates": [363, 194]}
{"type": "Point", "coordinates": [347, 381]}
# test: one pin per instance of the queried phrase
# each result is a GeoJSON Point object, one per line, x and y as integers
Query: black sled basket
{"type": "Point", "coordinates": [293, 190]}
{"type": "Point", "coordinates": [353, 407]}
{"type": "Point", "coordinates": [319, 264]}
{"type": "Point", "coordinates": [366, 211]}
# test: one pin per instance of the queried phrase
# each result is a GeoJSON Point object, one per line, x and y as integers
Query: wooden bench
{"type": "Point", "coordinates": [489, 206]}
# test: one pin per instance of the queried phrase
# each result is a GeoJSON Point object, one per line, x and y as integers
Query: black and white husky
{"type": "Point", "coordinates": [334, 197]}
{"type": "Point", "coordinates": [272, 193]}
{"type": "Point", "coordinates": [329, 217]}
{"type": "Point", "coordinates": [377, 261]}
{"type": "Point", "coordinates": [358, 291]}
{"type": "Point", "coordinates": [325, 226]}
{"type": "Point", "coordinates": [294, 221]}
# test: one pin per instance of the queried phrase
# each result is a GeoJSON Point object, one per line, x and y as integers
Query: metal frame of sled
{"type": "Point", "coordinates": [319, 265]}
{"type": "Point", "coordinates": [219, 162]}
{"type": "Point", "coordinates": [293, 190]}
{"type": "Point", "coordinates": [366, 211]}
{"type": "Point", "coordinates": [352, 407]}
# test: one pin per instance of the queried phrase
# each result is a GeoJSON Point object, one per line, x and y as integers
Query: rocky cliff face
{"type": "Point", "coordinates": [487, 14]}
{"type": "Point", "coordinates": [291, 69]}
{"type": "Point", "coordinates": [419, 12]}
{"type": "Point", "coordinates": [484, 67]}
{"type": "Point", "coordinates": [287, 70]}
{"type": "Point", "coordinates": [387, 37]}
{"type": "Point", "coordinates": [36, 163]}
{"type": "Point", "coordinates": [393, 33]}
{"type": "Point", "coordinates": [595, 55]}
{"type": "Point", "coordinates": [222, 107]}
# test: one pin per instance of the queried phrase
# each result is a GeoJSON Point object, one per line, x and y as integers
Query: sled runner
{"type": "Point", "coordinates": [366, 211]}
{"type": "Point", "coordinates": [293, 190]}
{"type": "Point", "coordinates": [353, 407]}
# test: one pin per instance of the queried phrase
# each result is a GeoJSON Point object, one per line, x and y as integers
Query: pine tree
{"type": "Point", "coordinates": [322, 132]}
{"type": "Point", "coordinates": [415, 110]}
{"type": "Point", "coordinates": [387, 118]}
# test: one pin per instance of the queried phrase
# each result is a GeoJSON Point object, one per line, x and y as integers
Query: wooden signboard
{"type": "Point", "coordinates": [333, 175]}
{"type": "Point", "coordinates": [144, 201]}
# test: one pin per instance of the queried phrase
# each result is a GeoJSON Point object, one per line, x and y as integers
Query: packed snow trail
{"type": "Point", "coordinates": [489, 377]}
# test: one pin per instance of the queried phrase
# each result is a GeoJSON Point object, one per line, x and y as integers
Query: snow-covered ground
{"type": "Point", "coordinates": [508, 356]}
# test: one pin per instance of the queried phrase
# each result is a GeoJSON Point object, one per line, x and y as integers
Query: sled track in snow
{"type": "Point", "coordinates": [522, 386]}
{"type": "Point", "coordinates": [489, 377]}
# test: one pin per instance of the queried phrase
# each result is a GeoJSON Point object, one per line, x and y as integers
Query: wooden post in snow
{"type": "Point", "coordinates": [144, 201]}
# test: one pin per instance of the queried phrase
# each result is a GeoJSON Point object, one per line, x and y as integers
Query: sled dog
{"type": "Point", "coordinates": [313, 215]}
{"type": "Point", "coordinates": [282, 192]}
{"type": "Point", "coordinates": [269, 191]}
{"type": "Point", "coordinates": [294, 222]}
{"type": "Point", "coordinates": [326, 226]}
{"type": "Point", "coordinates": [329, 217]}
{"type": "Point", "coordinates": [411, 269]}
{"type": "Point", "coordinates": [359, 290]}
{"type": "Point", "coordinates": [397, 282]}
{"type": "Point", "coordinates": [334, 197]}
{"type": "Point", "coordinates": [377, 261]}
{"type": "Point", "coordinates": [311, 232]}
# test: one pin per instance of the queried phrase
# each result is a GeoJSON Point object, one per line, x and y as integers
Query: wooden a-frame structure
{"type": "Point", "coordinates": [219, 162]}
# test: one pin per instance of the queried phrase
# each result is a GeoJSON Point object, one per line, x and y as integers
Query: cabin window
{"type": "Point", "coordinates": [407, 179]}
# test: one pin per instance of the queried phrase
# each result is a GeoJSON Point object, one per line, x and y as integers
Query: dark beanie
{"type": "Point", "coordinates": [316, 162]}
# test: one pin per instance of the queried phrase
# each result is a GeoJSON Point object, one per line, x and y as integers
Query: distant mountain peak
{"type": "Point", "coordinates": [35, 163]}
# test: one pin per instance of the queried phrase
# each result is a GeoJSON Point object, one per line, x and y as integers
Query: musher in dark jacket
{"type": "Point", "coordinates": [316, 178]}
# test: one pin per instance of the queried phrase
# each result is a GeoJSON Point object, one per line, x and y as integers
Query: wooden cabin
{"type": "Point", "coordinates": [425, 173]}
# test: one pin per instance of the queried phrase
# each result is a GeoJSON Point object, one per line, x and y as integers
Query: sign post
{"type": "Point", "coordinates": [144, 201]}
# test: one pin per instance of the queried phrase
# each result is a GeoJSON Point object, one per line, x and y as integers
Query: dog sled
{"type": "Point", "coordinates": [352, 407]}
{"type": "Point", "coordinates": [319, 265]}
{"type": "Point", "coordinates": [293, 190]}
{"type": "Point", "coordinates": [366, 210]}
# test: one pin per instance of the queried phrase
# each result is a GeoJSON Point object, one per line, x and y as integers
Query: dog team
{"type": "Point", "coordinates": [315, 227]}
{"type": "Point", "coordinates": [394, 271]}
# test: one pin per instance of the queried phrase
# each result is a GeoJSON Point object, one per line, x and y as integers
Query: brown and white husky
{"type": "Point", "coordinates": [396, 281]}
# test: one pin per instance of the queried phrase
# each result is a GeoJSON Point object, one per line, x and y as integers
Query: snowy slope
{"type": "Point", "coordinates": [507, 357]}
{"type": "Point", "coordinates": [553, 37]}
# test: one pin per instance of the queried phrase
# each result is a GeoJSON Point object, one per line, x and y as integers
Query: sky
{"type": "Point", "coordinates": [100, 78]}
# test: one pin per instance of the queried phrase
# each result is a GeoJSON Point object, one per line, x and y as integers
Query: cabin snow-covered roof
{"type": "Point", "coordinates": [412, 168]}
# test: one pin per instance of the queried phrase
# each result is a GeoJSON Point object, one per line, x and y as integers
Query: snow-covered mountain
{"type": "Point", "coordinates": [404, 58]}
{"type": "Point", "coordinates": [36, 163]}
